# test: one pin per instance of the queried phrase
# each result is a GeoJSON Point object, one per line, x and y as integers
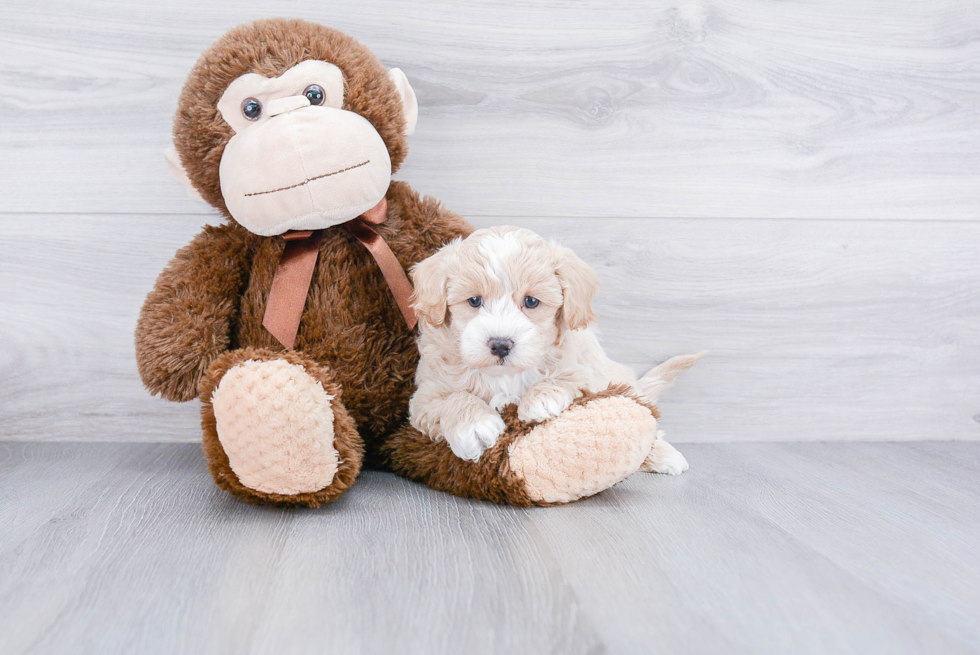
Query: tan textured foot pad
{"type": "Point", "coordinates": [587, 449]}
{"type": "Point", "coordinates": [275, 423]}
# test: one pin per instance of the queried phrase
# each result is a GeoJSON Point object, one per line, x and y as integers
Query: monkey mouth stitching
{"type": "Point", "coordinates": [308, 180]}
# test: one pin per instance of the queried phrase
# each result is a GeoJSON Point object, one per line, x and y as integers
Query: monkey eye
{"type": "Point", "coordinates": [314, 93]}
{"type": "Point", "coordinates": [251, 108]}
{"type": "Point", "coordinates": [475, 301]}
{"type": "Point", "coordinates": [530, 302]}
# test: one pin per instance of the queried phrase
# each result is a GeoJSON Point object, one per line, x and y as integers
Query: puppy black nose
{"type": "Point", "coordinates": [500, 347]}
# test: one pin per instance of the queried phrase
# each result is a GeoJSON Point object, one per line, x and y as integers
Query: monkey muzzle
{"type": "Point", "coordinates": [304, 168]}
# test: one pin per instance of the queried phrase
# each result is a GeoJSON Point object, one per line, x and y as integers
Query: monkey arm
{"type": "Point", "coordinates": [187, 319]}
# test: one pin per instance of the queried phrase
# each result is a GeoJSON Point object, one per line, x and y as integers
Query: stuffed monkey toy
{"type": "Point", "coordinates": [292, 321]}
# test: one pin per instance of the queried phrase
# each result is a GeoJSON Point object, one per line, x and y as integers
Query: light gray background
{"type": "Point", "coordinates": [793, 187]}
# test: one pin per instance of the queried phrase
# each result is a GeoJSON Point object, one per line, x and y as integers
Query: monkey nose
{"type": "Point", "coordinates": [500, 347]}
{"type": "Point", "coordinates": [286, 105]}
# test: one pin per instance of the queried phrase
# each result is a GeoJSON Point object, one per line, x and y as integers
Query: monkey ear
{"type": "Point", "coordinates": [430, 298]}
{"type": "Point", "coordinates": [578, 284]}
{"type": "Point", "coordinates": [177, 170]}
{"type": "Point", "coordinates": [410, 104]}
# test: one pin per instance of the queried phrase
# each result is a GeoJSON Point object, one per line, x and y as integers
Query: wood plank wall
{"type": "Point", "coordinates": [792, 186]}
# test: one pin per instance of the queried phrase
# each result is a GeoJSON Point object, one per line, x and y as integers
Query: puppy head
{"type": "Point", "coordinates": [505, 294]}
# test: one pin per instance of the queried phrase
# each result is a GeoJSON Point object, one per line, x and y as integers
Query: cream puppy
{"type": "Point", "coordinates": [505, 317]}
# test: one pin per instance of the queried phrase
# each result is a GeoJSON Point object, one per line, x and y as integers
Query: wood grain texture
{"type": "Point", "coordinates": [669, 108]}
{"type": "Point", "coordinates": [606, 127]}
{"type": "Point", "coordinates": [816, 330]}
{"type": "Point", "coordinates": [804, 548]}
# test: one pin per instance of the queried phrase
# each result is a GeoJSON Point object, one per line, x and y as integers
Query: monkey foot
{"type": "Point", "coordinates": [587, 449]}
{"type": "Point", "coordinates": [276, 425]}
{"type": "Point", "coordinates": [276, 428]}
{"type": "Point", "coordinates": [598, 441]}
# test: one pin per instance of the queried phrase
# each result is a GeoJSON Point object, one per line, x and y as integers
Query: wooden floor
{"type": "Point", "coordinates": [803, 547]}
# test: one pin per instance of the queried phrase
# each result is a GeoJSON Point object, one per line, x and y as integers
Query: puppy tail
{"type": "Point", "coordinates": [652, 385]}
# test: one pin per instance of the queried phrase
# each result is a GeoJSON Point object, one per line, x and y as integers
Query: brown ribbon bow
{"type": "Point", "coordinates": [291, 283]}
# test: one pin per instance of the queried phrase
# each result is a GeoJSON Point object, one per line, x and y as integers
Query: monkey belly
{"type": "Point", "coordinates": [350, 324]}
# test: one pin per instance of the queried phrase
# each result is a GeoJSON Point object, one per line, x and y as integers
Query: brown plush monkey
{"type": "Point", "coordinates": [290, 322]}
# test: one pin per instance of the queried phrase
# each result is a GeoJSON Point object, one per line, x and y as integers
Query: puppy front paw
{"type": "Point", "coordinates": [470, 440]}
{"type": "Point", "coordinates": [544, 401]}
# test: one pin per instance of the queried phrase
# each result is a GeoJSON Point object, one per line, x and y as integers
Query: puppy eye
{"type": "Point", "coordinates": [252, 109]}
{"type": "Point", "coordinates": [314, 93]}
{"type": "Point", "coordinates": [475, 301]}
{"type": "Point", "coordinates": [530, 302]}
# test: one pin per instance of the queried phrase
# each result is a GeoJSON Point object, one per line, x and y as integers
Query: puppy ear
{"type": "Point", "coordinates": [430, 296]}
{"type": "Point", "coordinates": [578, 284]}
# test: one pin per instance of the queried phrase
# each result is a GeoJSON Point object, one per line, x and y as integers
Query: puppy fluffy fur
{"type": "Point", "coordinates": [506, 317]}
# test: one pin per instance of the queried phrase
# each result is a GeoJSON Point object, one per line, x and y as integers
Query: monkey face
{"type": "Point", "coordinates": [288, 125]}
{"type": "Point", "coordinates": [298, 161]}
